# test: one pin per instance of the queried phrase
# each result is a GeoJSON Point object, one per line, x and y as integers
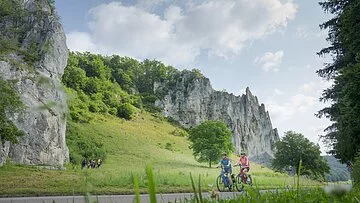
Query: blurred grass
{"type": "Point", "coordinates": [130, 147]}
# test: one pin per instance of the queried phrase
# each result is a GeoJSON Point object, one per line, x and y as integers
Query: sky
{"type": "Point", "coordinates": [269, 46]}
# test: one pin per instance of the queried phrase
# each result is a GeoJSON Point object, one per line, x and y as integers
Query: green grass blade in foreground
{"type": "Point", "coordinates": [136, 188]}
{"type": "Point", "coordinates": [298, 180]}
{"type": "Point", "coordinates": [152, 191]}
{"type": "Point", "coordinates": [298, 175]}
{"type": "Point", "coordinates": [200, 193]}
{"type": "Point", "coordinates": [194, 189]}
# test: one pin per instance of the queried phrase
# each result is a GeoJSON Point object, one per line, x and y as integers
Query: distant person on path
{"type": "Point", "coordinates": [225, 164]}
{"type": "Point", "coordinates": [245, 165]}
{"type": "Point", "coordinates": [93, 163]}
{"type": "Point", "coordinates": [83, 163]}
{"type": "Point", "coordinates": [99, 162]}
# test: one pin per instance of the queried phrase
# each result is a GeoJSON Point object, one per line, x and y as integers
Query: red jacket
{"type": "Point", "coordinates": [244, 161]}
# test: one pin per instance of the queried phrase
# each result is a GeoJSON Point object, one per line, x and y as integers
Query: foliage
{"type": "Point", "coordinates": [10, 8]}
{"type": "Point", "coordinates": [32, 53]}
{"type": "Point", "coordinates": [125, 111]}
{"type": "Point", "coordinates": [14, 31]}
{"type": "Point", "coordinates": [209, 140]}
{"type": "Point", "coordinates": [93, 88]}
{"type": "Point", "coordinates": [293, 148]}
{"type": "Point", "coordinates": [10, 103]}
{"type": "Point", "coordinates": [82, 146]}
{"type": "Point", "coordinates": [344, 38]}
{"type": "Point", "coordinates": [12, 35]}
{"type": "Point", "coordinates": [78, 104]}
{"type": "Point", "coordinates": [116, 85]}
{"type": "Point", "coordinates": [355, 173]}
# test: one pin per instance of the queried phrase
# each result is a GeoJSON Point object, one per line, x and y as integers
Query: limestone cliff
{"type": "Point", "coordinates": [191, 100]}
{"type": "Point", "coordinates": [36, 66]}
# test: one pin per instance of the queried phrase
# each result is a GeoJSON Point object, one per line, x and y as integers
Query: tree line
{"type": "Point", "coordinates": [115, 85]}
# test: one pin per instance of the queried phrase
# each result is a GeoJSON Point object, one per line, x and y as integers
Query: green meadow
{"type": "Point", "coordinates": [130, 146]}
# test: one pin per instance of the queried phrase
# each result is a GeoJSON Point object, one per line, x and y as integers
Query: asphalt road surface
{"type": "Point", "coordinates": [161, 198]}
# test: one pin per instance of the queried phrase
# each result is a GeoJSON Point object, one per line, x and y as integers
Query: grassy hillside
{"type": "Point", "coordinates": [130, 146]}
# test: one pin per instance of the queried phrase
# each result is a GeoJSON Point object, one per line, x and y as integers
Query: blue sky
{"type": "Point", "coordinates": [267, 45]}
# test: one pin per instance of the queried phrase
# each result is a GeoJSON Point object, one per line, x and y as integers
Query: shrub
{"type": "Point", "coordinates": [169, 146]}
{"type": "Point", "coordinates": [126, 111]}
{"type": "Point", "coordinates": [82, 146]}
{"type": "Point", "coordinates": [9, 103]}
{"type": "Point", "coordinates": [113, 111]}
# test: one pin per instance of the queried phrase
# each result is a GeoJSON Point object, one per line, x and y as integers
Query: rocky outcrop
{"type": "Point", "coordinates": [191, 100]}
{"type": "Point", "coordinates": [38, 82]}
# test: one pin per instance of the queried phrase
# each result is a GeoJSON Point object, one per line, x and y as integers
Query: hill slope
{"type": "Point", "coordinates": [129, 145]}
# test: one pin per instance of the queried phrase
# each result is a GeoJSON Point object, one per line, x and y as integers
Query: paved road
{"type": "Point", "coordinates": [164, 198]}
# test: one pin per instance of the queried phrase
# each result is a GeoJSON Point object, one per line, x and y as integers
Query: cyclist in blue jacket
{"type": "Point", "coordinates": [225, 163]}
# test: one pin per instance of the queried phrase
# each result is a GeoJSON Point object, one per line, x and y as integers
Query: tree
{"type": "Point", "coordinates": [9, 103]}
{"type": "Point", "coordinates": [295, 147]}
{"type": "Point", "coordinates": [355, 173]}
{"type": "Point", "coordinates": [343, 135]}
{"type": "Point", "coordinates": [209, 140]}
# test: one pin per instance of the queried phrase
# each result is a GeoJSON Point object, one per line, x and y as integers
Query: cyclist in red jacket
{"type": "Point", "coordinates": [245, 165]}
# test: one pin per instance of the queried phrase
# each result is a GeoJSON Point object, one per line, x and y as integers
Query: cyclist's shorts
{"type": "Point", "coordinates": [247, 168]}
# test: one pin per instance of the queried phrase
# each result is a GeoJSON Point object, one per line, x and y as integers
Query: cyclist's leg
{"type": "Point", "coordinates": [247, 174]}
{"type": "Point", "coordinates": [242, 173]}
{"type": "Point", "coordinates": [224, 178]}
{"type": "Point", "coordinates": [229, 176]}
{"type": "Point", "coordinates": [246, 171]}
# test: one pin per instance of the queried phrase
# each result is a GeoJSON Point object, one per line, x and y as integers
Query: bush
{"type": "Point", "coordinates": [113, 111]}
{"type": "Point", "coordinates": [98, 106]}
{"type": "Point", "coordinates": [9, 103]}
{"type": "Point", "coordinates": [169, 146]}
{"type": "Point", "coordinates": [126, 111]}
{"type": "Point", "coordinates": [82, 146]}
{"type": "Point", "coordinates": [78, 104]}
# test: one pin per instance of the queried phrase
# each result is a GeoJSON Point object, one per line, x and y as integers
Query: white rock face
{"type": "Point", "coordinates": [193, 100]}
{"type": "Point", "coordinates": [40, 89]}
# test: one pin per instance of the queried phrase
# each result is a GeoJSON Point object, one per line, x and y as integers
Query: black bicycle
{"type": "Point", "coordinates": [241, 180]}
{"type": "Point", "coordinates": [220, 184]}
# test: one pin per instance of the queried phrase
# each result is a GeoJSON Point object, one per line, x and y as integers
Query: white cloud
{"type": "Point", "coordinates": [306, 100]}
{"type": "Point", "coordinates": [81, 40]}
{"type": "Point", "coordinates": [179, 33]}
{"type": "Point", "coordinates": [270, 61]}
{"type": "Point", "coordinates": [278, 92]}
{"type": "Point", "coordinates": [303, 32]}
{"type": "Point", "coordinates": [308, 87]}
{"type": "Point", "coordinates": [299, 103]}
{"type": "Point", "coordinates": [315, 88]}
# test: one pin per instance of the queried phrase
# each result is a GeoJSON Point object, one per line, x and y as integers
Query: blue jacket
{"type": "Point", "coordinates": [226, 163]}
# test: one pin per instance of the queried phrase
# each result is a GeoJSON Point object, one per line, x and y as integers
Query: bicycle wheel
{"type": "Point", "coordinates": [234, 184]}
{"type": "Point", "coordinates": [220, 184]}
{"type": "Point", "coordinates": [249, 181]}
{"type": "Point", "coordinates": [239, 184]}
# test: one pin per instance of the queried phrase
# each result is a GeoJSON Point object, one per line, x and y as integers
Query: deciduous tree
{"type": "Point", "coordinates": [209, 140]}
{"type": "Point", "coordinates": [295, 147]}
